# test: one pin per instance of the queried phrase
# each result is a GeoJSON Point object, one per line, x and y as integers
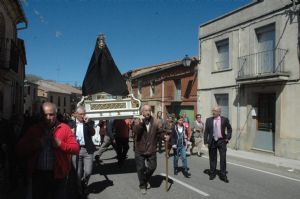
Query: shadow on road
{"type": "Point", "coordinates": [97, 187]}
{"type": "Point", "coordinates": [157, 180]}
{"type": "Point", "coordinates": [114, 168]}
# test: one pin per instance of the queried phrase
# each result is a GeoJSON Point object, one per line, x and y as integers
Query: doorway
{"type": "Point", "coordinates": [265, 133]}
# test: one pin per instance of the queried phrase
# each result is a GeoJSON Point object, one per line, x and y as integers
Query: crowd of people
{"type": "Point", "coordinates": [45, 150]}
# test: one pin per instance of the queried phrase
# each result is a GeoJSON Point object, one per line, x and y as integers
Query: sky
{"type": "Point", "coordinates": [61, 34]}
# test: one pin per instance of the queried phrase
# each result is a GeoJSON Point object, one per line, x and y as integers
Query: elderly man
{"type": "Point", "coordinates": [48, 146]}
{"type": "Point", "coordinates": [83, 163]}
{"type": "Point", "coordinates": [146, 134]}
{"type": "Point", "coordinates": [216, 138]}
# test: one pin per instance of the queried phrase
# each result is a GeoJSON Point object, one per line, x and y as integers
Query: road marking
{"type": "Point", "coordinates": [267, 172]}
{"type": "Point", "coordinates": [262, 171]}
{"type": "Point", "coordinates": [186, 185]}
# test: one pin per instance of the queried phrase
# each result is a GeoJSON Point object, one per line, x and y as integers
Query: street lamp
{"type": "Point", "coordinates": [186, 61]}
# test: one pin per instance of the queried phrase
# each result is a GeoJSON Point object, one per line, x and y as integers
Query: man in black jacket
{"type": "Point", "coordinates": [83, 163]}
{"type": "Point", "coordinates": [216, 138]}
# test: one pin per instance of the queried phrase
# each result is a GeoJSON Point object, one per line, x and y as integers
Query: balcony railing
{"type": "Point", "coordinates": [9, 54]}
{"type": "Point", "coordinates": [262, 63]}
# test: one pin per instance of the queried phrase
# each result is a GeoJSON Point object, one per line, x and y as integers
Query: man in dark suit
{"type": "Point", "coordinates": [83, 163]}
{"type": "Point", "coordinates": [216, 138]}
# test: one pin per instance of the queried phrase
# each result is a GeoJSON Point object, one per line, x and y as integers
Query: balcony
{"type": "Point", "coordinates": [266, 66]}
{"type": "Point", "coordinates": [9, 54]}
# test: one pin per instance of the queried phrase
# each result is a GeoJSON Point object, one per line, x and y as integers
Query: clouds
{"type": "Point", "coordinates": [58, 34]}
{"type": "Point", "coordinates": [41, 17]}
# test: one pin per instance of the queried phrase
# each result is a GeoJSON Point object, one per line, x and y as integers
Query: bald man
{"type": "Point", "coordinates": [217, 139]}
{"type": "Point", "coordinates": [146, 132]}
{"type": "Point", "coordinates": [48, 146]}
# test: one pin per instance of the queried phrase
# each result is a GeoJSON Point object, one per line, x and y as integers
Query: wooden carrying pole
{"type": "Point", "coordinates": [167, 165]}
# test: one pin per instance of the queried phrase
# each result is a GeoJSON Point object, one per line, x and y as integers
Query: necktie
{"type": "Point", "coordinates": [215, 130]}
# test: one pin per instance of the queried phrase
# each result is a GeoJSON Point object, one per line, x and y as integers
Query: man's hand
{"type": "Point", "coordinates": [174, 146]}
{"type": "Point", "coordinates": [56, 142]}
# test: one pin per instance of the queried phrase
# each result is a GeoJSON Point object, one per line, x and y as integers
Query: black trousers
{"type": "Point", "coordinates": [122, 147]}
{"type": "Point", "coordinates": [45, 186]}
{"type": "Point", "coordinates": [145, 172]}
{"type": "Point", "coordinates": [220, 145]}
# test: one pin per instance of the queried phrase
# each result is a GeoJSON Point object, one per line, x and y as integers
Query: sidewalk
{"type": "Point", "coordinates": [263, 158]}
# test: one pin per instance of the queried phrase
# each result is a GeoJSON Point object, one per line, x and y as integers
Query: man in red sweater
{"type": "Point", "coordinates": [48, 147]}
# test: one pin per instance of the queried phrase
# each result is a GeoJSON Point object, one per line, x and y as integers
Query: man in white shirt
{"type": "Point", "coordinates": [83, 163]}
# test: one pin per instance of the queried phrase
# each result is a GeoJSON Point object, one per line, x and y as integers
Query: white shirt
{"type": "Point", "coordinates": [148, 127]}
{"type": "Point", "coordinates": [79, 133]}
{"type": "Point", "coordinates": [180, 129]}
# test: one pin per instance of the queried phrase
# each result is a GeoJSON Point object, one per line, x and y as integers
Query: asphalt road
{"type": "Point", "coordinates": [247, 179]}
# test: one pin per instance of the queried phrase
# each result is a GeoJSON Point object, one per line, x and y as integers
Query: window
{"type": "Point", "coordinates": [266, 112]}
{"type": "Point", "coordinates": [28, 90]}
{"type": "Point", "coordinates": [51, 98]}
{"type": "Point", "coordinates": [65, 101]}
{"type": "Point", "coordinates": [152, 88]}
{"type": "Point", "coordinates": [177, 92]}
{"type": "Point", "coordinates": [265, 58]}
{"type": "Point", "coordinates": [222, 101]}
{"type": "Point", "coordinates": [139, 88]}
{"type": "Point", "coordinates": [222, 62]}
{"type": "Point", "coordinates": [58, 101]}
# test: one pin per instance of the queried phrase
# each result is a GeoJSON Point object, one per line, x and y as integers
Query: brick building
{"type": "Point", "coordinates": [168, 87]}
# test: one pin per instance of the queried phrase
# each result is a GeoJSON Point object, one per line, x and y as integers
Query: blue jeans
{"type": "Point", "coordinates": [180, 153]}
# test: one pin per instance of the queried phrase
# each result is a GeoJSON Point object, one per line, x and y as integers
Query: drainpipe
{"type": "Point", "coordinates": [298, 49]}
{"type": "Point", "coordinates": [238, 127]}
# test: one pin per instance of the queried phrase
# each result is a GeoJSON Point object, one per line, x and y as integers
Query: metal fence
{"type": "Point", "coordinates": [262, 63]}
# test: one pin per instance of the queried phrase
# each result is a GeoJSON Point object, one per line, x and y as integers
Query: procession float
{"type": "Point", "coordinates": [104, 89]}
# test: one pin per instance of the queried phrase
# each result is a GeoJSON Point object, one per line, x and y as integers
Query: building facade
{"type": "Point", "coordinates": [31, 100]}
{"type": "Point", "coordinates": [250, 68]}
{"type": "Point", "coordinates": [168, 87]}
{"type": "Point", "coordinates": [64, 96]}
{"type": "Point", "coordinates": [12, 58]}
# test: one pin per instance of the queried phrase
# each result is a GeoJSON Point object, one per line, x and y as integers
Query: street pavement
{"type": "Point", "coordinates": [251, 175]}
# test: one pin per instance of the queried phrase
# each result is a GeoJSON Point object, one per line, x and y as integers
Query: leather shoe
{"type": "Point", "coordinates": [186, 174]}
{"type": "Point", "coordinates": [224, 178]}
{"type": "Point", "coordinates": [212, 176]}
